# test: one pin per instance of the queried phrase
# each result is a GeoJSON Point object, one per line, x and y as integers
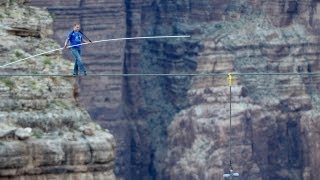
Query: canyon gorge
{"type": "Point", "coordinates": [169, 127]}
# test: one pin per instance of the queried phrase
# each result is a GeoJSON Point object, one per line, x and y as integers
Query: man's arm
{"type": "Point", "coordinates": [66, 44]}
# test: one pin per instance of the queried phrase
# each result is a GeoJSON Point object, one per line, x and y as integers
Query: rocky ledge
{"type": "Point", "coordinates": [44, 133]}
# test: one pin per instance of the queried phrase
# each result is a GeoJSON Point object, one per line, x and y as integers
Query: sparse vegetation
{"type": "Point", "coordinates": [34, 85]}
{"type": "Point", "coordinates": [9, 83]}
{"type": "Point", "coordinates": [34, 72]}
{"type": "Point", "coordinates": [47, 61]}
{"type": "Point", "coordinates": [61, 104]}
{"type": "Point", "coordinates": [67, 63]}
{"type": "Point", "coordinates": [37, 134]}
{"type": "Point", "coordinates": [40, 91]}
{"type": "Point", "coordinates": [18, 54]}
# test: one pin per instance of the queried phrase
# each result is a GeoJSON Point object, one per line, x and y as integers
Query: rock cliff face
{"type": "Point", "coordinates": [177, 127]}
{"type": "Point", "coordinates": [270, 113]}
{"type": "Point", "coordinates": [100, 20]}
{"type": "Point", "coordinates": [44, 134]}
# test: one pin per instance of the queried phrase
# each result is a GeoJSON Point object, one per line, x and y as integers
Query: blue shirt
{"type": "Point", "coordinates": [75, 38]}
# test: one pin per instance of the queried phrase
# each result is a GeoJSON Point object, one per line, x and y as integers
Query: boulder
{"type": "Point", "coordinates": [23, 133]}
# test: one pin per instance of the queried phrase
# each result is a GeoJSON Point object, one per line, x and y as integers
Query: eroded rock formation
{"type": "Point", "coordinates": [177, 127]}
{"type": "Point", "coordinates": [44, 133]}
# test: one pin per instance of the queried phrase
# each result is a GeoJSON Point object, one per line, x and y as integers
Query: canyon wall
{"type": "Point", "coordinates": [44, 132]}
{"type": "Point", "coordinates": [176, 127]}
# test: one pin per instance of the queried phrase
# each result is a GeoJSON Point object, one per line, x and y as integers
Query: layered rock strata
{"type": "Point", "coordinates": [44, 132]}
{"type": "Point", "coordinates": [177, 127]}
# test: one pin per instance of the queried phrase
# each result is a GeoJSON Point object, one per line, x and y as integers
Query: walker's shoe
{"type": "Point", "coordinates": [75, 74]}
{"type": "Point", "coordinates": [85, 73]}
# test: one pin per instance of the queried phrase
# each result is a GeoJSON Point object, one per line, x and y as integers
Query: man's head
{"type": "Point", "coordinates": [76, 27]}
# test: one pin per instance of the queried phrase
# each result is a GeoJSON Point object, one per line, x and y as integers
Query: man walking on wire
{"type": "Point", "coordinates": [75, 39]}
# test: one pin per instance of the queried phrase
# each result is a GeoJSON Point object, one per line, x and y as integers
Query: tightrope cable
{"type": "Point", "coordinates": [94, 42]}
{"type": "Point", "coordinates": [314, 74]}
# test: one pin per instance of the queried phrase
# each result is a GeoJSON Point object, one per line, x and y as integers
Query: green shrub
{"type": "Point", "coordinates": [18, 54]}
{"type": "Point", "coordinates": [9, 83]}
{"type": "Point", "coordinates": [47, 61]}
{"type": "Point", "coordinates": [37, 134]}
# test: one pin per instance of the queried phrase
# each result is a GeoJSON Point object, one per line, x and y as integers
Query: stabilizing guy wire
{"type": "Point", "coordinates": [231, 173]}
